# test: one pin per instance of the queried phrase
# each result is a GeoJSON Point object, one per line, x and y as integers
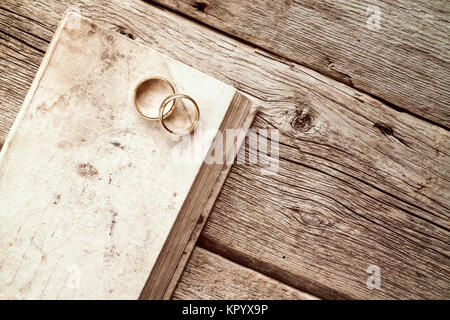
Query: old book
{"type": "Point", "coordinates": [92, 202]}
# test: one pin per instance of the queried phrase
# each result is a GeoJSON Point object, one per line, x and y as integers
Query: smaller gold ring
{"type": "Point", "coordinates": [139, 107]}
{"type": "Point", "coordinates": [174, 97]}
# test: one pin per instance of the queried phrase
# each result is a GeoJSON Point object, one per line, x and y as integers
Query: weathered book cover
{"type": "Point", "coordinates": [91, 200]}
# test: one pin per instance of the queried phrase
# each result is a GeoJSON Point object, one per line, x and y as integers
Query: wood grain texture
{"type": "Point", "coordinates": [359, 183]}
{"type": "Point", "coordinates": [313, 230]}
{"type": "Point", "coordinates": [209, 276]}
{"type": "Point", "coordinates": [406, 62]}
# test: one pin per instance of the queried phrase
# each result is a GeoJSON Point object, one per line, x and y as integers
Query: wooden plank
{"type": "Point", "coordinates": [359, 183]}
{"type": "Point", "coordinates": [406, 61]}
{"type": "Point", "coordinates": [209, 276]}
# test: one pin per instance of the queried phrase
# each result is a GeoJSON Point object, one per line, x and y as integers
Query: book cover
{"type": "Point", "coordinates": [91, 199]}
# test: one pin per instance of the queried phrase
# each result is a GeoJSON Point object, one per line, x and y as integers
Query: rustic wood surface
{"type": "Point", "coordinates": [359, 182]}
{"type": "Point", "coordinates": [406, 61]}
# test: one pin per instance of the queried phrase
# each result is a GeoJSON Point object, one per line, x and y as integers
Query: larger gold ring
{"type": "Point", "coordinates": [172, 98]}
{"type": "Point", "coordinates": [139, 107]}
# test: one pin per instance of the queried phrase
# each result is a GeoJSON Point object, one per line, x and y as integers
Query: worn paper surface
{"type": "Point", "coordinates": [88, 189]}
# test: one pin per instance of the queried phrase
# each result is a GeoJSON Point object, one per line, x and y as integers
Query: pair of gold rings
{"type": "Point", "coordinates": [154, 89]}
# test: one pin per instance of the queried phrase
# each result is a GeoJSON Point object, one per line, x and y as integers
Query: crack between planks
{"type": "Point", "coordinates": [309, 286]}
{"type": "Point", "coordinates": [234, 261]}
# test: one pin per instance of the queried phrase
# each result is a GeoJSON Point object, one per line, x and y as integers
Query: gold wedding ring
{"type": "Point", "coordinates": [172, 98]}
{"type": "Point", "coordinates": [141, 92]}
{"type": "Point", "coordinates": [140, 88]}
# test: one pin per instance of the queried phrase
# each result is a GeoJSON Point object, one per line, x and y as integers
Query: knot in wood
{"type": "Point", "coordinates": [200, 6]}
{"type": "Point", "coordinates": [302, 122]}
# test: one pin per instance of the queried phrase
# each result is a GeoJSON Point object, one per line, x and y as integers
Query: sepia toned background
{"type": "Point", "coordinates": [359, 206]}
